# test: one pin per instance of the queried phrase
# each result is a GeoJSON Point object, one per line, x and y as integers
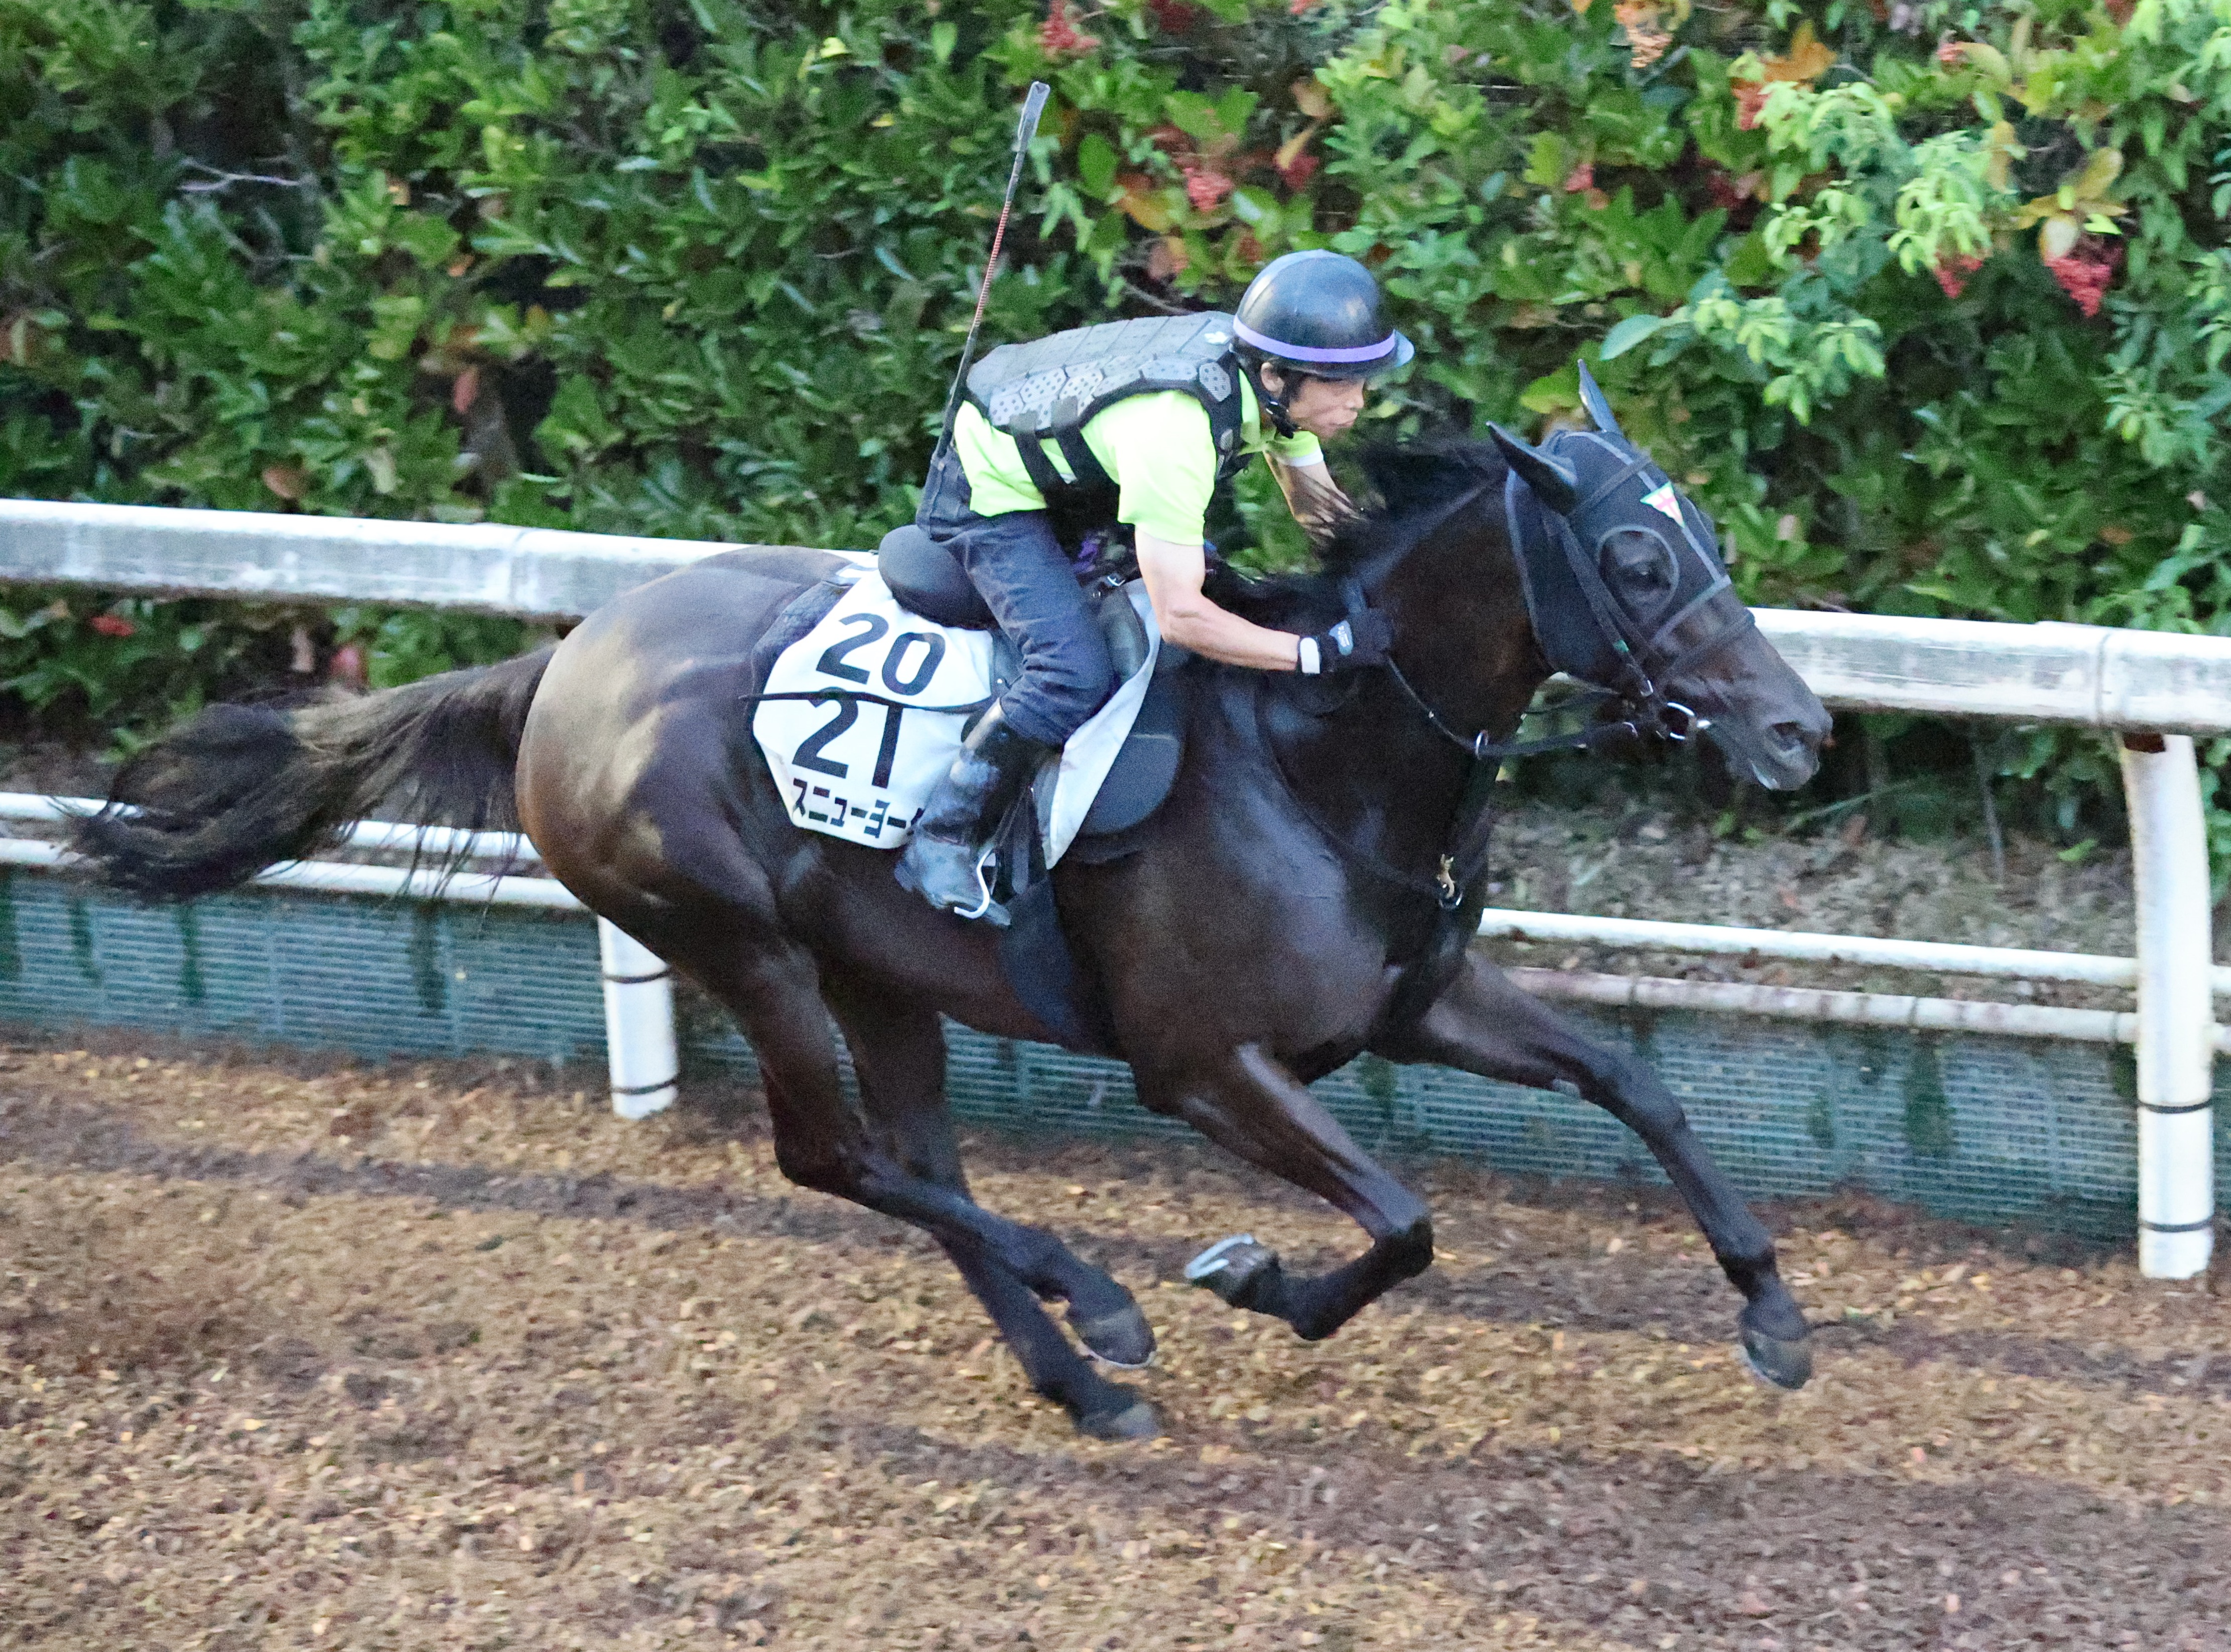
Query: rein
{"type": "Point", "coordinates": [1478, 747]}
{"type": "Point", "coordinates": [1646, 710]}
{"type": "Point", "coordinates": [1463, 858]}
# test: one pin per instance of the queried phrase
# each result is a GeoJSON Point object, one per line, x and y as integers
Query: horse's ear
{"type": "Point", "coordinates": [1555, 482]}
{"type": "Point", "coordinates": [1599, 406]}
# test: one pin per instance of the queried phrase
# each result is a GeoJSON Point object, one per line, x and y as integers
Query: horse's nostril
{"type": "Point", "coordinates": [1790, 737]}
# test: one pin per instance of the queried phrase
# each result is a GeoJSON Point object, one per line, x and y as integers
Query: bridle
{"type": "Point", "coordinates": [1549, 551]}
{"type": "Point", "coordinates": [1711, 618]}
{"type": "Point", "coordinates": [1558, 575]}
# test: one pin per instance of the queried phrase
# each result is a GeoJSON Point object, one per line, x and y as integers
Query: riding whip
{"type": "Point", "coordinates": [1025, 129]}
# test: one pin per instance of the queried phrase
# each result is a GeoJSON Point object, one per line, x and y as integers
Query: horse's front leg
{"type": "Point", "coordinates": [1484, 1023]}
{"type": "Point", "coordinates": [1252, 1106]}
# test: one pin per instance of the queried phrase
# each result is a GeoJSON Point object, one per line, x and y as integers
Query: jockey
{"type": "Point", "coordinates": [1136, 423]}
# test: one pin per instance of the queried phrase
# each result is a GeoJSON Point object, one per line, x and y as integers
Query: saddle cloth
{"type": "Point", "coordinates": [885, 695]}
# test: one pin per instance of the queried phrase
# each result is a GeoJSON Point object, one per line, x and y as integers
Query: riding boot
{"type": "Point", "coordinates": [947, 860]}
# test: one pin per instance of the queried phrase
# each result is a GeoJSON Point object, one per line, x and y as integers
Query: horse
{"type": "Point", "coordinates": [1294, 903]}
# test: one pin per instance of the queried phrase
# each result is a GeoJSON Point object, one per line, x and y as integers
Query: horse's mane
{"type": "Point", "coordinates": [1408, 490]}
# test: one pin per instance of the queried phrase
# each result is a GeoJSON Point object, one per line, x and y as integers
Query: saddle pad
{"type": "Point", "coordinates": [885, 696]}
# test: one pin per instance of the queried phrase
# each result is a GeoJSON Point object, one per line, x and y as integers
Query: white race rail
{"type": "Point", "coordinates": [1934, 958]}
{"type": "Point", "coordinates": [1843, 1009]}
{"type": "Point", "coordinates": [2145, 684]}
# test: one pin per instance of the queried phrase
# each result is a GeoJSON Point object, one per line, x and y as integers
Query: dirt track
{"type": "Point", "coordinates": [432, 1358]}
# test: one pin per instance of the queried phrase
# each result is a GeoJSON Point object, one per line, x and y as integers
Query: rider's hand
{"type": "Point", "coordinates": [1362, 639]}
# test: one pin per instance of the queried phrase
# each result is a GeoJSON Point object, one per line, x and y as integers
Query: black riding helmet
{"type": "Point", "coordinates": [1317, 313]}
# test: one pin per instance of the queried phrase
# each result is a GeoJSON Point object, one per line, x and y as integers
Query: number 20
{"type": "Point", "coordinates": [834, 661]}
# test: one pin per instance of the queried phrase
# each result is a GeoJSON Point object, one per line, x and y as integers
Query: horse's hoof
{"type": "Point", "coordinates": [1233, 1268]}
{"type": "Point", "coordinates": [1773, 1360]}
{"type": "Point", "coordinates": [1121, 1338]}
{"type": "Point", "coordinates": [1136, 1420]}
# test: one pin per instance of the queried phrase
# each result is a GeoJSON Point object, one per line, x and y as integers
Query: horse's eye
{"type": "Point", "coordinates": [1639, 562]}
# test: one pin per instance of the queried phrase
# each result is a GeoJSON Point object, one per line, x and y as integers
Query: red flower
{"type": "Point", "coordinates": [1205, 186]}
{"type": "Point", "coordinates": [1059, 37]}
{"type": "Point", "coordinates": [1952, 275]}
{"type": "Point", "coordinates": [2086, 272]}
{"type": "Point", "coordinates": [1174, 17]}
{"type": "Point", "coordinates": [1750, 98]}
{"type": "Point", "coordinates": [1299, 171]}
{"type": "Point", "coordinates": [112, 624]}
{"type": "Point", "coordinates": [1950, 55]}
{"type": "Point", "coordinates": [1582, 176]}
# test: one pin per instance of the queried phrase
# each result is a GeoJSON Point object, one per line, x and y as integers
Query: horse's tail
{"type": "Point", "coordinates": [237, 787]}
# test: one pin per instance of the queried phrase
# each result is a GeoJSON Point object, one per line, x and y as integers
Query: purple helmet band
{"type": "Point", "coordinates": [1311, 352]}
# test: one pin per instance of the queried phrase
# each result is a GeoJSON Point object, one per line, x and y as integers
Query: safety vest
{"type": "Point", "coordinates": [1050, 389]}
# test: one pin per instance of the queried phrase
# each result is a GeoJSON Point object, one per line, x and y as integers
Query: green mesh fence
{"type": "Point", "coordinates": [1980, 1128]}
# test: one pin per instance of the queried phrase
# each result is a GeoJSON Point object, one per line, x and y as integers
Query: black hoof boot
{"type": "Point", "coordinates": [949, 861]}
{"type": "Point", "coordinates": [1121, 1337]}
{"type": "Point", "coordinates": [1782, 1360]}
{"type": "Point", "coordinates": [1133, 1420]}
{"type": "Point", "coordinates": [1243, 1273]}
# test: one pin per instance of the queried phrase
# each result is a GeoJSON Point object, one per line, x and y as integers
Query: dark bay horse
{"type": "Point", "coordinates": [1260, 936]}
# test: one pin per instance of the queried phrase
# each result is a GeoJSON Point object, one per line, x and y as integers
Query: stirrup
{"type": "Point", "coordinates": [983, 886]}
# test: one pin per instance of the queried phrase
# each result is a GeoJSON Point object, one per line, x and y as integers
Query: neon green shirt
{"type": "Point", "coordinates": [1156, 446]}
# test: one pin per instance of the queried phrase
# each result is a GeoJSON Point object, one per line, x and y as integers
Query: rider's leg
{"type": "Point", "coordinates": [945, 860]}
{"type": "Point", "coordinates": [1025, 578]}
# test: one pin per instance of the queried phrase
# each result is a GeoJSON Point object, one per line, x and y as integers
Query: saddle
{"type": "Point", "coordinates": [927, 579]}
{"type": "Point", "coordinates": [1044, 971]}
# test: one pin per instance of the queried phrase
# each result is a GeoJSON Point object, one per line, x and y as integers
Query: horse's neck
{"type": "Point", "coordinates": [1376, 767]}
{"type": "Point", "coordinates": [1462, 638]}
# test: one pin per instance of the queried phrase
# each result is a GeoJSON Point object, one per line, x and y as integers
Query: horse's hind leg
{"type": "Point", "coordinates": [899, 1055]}
{"type": "Point", "coordinates": [1483, 1024]}
{"type": "Point", "coordinates": [774, 989]}
{"type": "Point", "coordinates": [1254, 1107]}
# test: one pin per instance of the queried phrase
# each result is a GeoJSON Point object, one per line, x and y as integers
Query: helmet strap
{"type": "Point", "coordinates": [1273, 406]}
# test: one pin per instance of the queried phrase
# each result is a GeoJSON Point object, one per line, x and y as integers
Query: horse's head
{"type": "Point", "coordinates": [1627, 591]}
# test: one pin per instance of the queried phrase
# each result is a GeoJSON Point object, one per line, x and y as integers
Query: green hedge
{"type": "Point", "coordinates": [1930, 303]}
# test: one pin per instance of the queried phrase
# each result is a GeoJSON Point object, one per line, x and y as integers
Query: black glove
{"type": "Point", "coordinates": [1361, 640]}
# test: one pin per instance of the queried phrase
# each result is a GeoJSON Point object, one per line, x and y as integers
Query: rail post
{"type": "Point", "coordinates": [2176, 1032]}
{"type": "Point", "coordinates": [638, 1023]}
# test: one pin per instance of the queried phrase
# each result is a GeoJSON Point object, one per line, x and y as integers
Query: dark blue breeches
{"type": "Point", "coordinates": [1025, 578]}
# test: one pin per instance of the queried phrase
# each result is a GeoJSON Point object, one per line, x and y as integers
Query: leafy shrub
{"type": "Point", "coordinates": [68, 654]}
{"type": "Point", "coordinates": [1929, 304]}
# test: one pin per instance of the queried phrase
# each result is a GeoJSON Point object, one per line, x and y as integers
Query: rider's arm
{"type": "Point", "coordinates": [1174, 574]}
{"type": "Point", "coordinates": [1160, 450]}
